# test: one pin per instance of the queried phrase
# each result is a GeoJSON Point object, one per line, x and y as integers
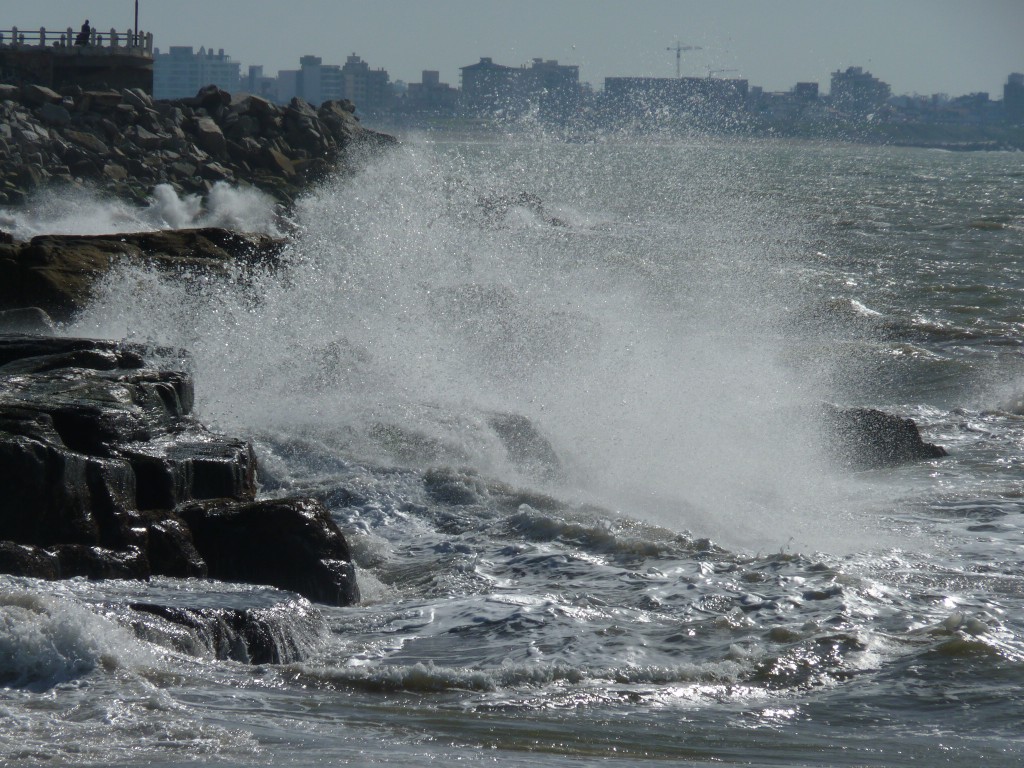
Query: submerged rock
{"type": "Point", "coordinates": [278, 635]}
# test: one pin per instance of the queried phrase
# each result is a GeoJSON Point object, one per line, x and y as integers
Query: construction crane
{"type": "Point", "coordinates": [713, 72]}
{"type": "Point", "coordinates": [679, 48]}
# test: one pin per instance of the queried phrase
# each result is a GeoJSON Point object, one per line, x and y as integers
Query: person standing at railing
{"type": "Point", "coordinates": [83, 36]}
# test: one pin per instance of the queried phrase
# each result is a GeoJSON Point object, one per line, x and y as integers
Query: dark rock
{"type": "Point", "coordinates": [96, 452]}
{"type": "Point", "coordinates": [867, 438]}
{"type": "Point", "coordinates": [101, 563]}
{"type": "Point", "coordinates": [291, 544]}
{"type": "Point", "coordinates": [277, 635]}
{"type": "Point", "coordinates": [170, 548]}
{"type": "Point", "coordinates": [56, 273]}
{"type": "Point", "coordinates": [28, 560]}
{"type": "Point", "coordinates": [26, 320]}
{"type": "Point", "coordinates": [211, 98]}
{"type": "Point", "coordinates": [527, 448]}
{"type": "Point", "coordinates": [36, 95]}
{"type": "Point", "coordinates": [54, 114]}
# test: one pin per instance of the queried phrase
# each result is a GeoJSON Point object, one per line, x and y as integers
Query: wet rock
{"type": "Point", "coordinates": [32, 320]}
{"type": "Point", "coordinates": [291, 544]}
{"type": "Point", "coordinates": [277, 149]}
{"type": "Point", "coordinates": [277, 635]}
{"type": "Point", "coordinates": [101, 563]}
{"type": "Point", "coordinates": [28, 560]}
{"type": "Point", "coordinates": [107, 475]}
{"type": "Point", "coordinates": [56, 273]}
{"type": "Point", "coordinates": [867, 438]}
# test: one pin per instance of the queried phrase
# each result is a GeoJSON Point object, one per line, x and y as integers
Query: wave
{"type": "Point", "coordinates": [88, 212]}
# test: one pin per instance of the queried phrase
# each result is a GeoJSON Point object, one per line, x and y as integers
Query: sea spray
{"type": "Point", "coordinates": [81, 211]}
{"type": "Point", "coordinates": [643, 339]}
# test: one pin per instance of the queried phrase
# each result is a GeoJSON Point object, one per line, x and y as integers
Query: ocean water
{"type": "Point", "coordinates": [669, 568]}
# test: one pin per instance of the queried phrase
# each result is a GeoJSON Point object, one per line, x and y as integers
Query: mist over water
{"type": "Point", "coordinates": [632, 307]}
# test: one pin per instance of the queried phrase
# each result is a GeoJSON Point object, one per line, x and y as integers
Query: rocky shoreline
{"type": "Point", "coordinates": [108, 474]}
{"type": "Point", "coordinates": [125, 143]}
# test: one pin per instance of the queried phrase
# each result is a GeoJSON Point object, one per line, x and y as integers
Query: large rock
{"type": "Point", "coordinates": [107, 475]}
{"type": "Point", "coordinates": [56, 273]}
{"type": "Point", "coordinates": [291, 544]}
{"type": "Point", "coordinates": [867, 438]}
{"type": "Point", "coordinates": [281, 634]}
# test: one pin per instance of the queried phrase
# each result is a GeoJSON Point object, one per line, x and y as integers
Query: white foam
{"type": "Point", "coordinates": [48, 640]}
{"type": "Point", "coordinates": [85, 211]}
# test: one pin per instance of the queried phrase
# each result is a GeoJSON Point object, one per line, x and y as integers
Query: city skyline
{"type": "Point", "coordinates": [918, 46]}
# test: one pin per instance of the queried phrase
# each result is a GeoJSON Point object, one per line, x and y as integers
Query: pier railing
{"type": "Point", "coordinates": [67, 40]}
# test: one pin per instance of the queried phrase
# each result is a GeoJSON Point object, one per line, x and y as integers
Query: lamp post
{"type": "Point", "coordinates": [136, 22]}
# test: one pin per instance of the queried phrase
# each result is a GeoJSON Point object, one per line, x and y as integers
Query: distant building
{"type": "Point", "coordinates": [1013, 98]}
{"type": "Point", "coordinates": [550, 88]}
{"type": "Point", "coordinates": [857, 91]}
{"type": "Point", "coordinates": [368, 88]}
{"type": "Point", "coordinates": [181, 72]}
{"type": "Point", "coordinates": [256, 83]}
{"type": "Point", "coordinates": [489, 88]}
{"type": "Point", "coordinates": [287, 85]}
{"type": "Point", "coordinates": [805, 92]}
{"type": "Point", "coordinates": [430, 95]}
{"type": "Point", "coordinates": [554, 88]}
{"type": "Point", "coordinates": [318, 82]}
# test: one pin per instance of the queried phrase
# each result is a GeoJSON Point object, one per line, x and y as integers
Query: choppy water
{"type": "Point", "coordinates": [691, 581]}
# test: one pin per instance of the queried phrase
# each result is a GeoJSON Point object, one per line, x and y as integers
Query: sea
{"type": "Point", "coordinates": [562, 397]}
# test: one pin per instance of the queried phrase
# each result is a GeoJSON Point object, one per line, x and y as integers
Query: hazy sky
{"type": "Point", "coordinates": [922, 46]}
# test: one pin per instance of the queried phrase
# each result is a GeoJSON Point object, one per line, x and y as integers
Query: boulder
{"type": "Point", "coordinates": [291, 544]}
{"type": "Point", "coordinates": [56, 273]}
{"type": "Point", "coordinates": [276, 635]}
{"type": "Point", "coordinates": [54, 114]}
{"type": "Point", "coordinates": [107, 475]}
{"type": "Point", "coordinates": [210, 138]}
{"type": "Point", "coordinates": [865, 438]}
{"type": "Point", "coordinates": [36, 95]}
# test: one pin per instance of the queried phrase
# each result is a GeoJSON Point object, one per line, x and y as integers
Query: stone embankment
{"type": "Point", "coordinates": [126, 143]}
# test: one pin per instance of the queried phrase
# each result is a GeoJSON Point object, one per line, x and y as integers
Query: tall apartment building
{"type": "Point", "coordinates": [489, 88]}
{"type": "Point", "coordinates": [181, 72]}
{"type": "Point", "coordinates": [368, 88]}
{"type": "Point", "coordinates": [1013, 98]}
{"type": "Point", "coordinates": [430, 95]}
{"type": "Point", "coordinates": [856, 90]}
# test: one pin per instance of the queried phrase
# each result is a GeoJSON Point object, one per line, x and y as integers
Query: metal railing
{"type": "Point", "coordinates": [129, 40]}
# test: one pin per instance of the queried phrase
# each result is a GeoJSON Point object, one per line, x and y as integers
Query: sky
{"type": "Point", "coordinates": [917, 46]}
